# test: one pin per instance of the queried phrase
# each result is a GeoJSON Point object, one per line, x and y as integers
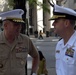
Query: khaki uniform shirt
{"type": "Point", "coordinates": [66, 56]}
{"type": "Point", "coordinates": [13, 56]}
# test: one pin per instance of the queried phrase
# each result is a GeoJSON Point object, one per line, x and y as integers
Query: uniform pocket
{"type": "Point", "coordinates": [21, 59]}
{"type": "Point", "coordinates": [20, 62]}
{"type": "Point", "coordinates": [69, 60]}
{"type": "Point", "coordinates": [21, 55]}
{"type": "Point", "coordinates": [21, 52]}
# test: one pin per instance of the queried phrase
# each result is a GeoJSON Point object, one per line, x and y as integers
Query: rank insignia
{"type": "Point", "coordinates": [21, 49]}
{"type": "Point", "coordinates": [69, 52]}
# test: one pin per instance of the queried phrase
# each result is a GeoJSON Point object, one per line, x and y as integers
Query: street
{"type": "Point", "coordinates": [47, 46]}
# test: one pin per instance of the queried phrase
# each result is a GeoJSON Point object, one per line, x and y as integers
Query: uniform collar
{"type": "Point", "coordinates": [70, 41]}
{"type": "Point", "coordinates": [20, 39]}
{"type": "Point", "coordinates": [3, 39]}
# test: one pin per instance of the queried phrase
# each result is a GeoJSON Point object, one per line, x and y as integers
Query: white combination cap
{"type": "Point", "coordinates": [63, 12]}
{"type": "Point", "coordinates": [14, 15]}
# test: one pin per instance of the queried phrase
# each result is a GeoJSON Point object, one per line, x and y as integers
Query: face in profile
{"type": "Point", "coordinates": [59, 26]}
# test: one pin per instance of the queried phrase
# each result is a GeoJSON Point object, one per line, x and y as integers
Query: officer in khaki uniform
{"type": "Point", "coordinates": [14, 46]}
{"type": "Point", "coordinates": [64, 22]}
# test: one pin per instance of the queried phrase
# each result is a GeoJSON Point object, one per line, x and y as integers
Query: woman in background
{"type": "Point", "coordinates": [40, 35]}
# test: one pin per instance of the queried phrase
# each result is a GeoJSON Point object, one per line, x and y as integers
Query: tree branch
{"type": "Point", "coordinates": [51, 3]}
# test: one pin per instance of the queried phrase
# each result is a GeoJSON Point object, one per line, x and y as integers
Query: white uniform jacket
{"type": "Point", "coordinates": [66, 56]}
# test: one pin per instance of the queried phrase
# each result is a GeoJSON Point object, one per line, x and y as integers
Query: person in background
{"type": "Point", "coordinates": [42, 65]}
{"type": "Point", "coordinates": [64, 22]}
{"type": "Point", "coordinates": [40, 35]}
{"type": "Point", "coordinates": [14, 46]}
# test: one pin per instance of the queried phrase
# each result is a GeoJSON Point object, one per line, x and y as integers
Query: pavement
{"type": "Point", "coordinates": [51, 71]}
{"type": "Point", "coordinates": [50, 38]}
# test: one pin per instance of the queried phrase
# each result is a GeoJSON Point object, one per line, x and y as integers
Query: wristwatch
{"type": "Point", "coordinates": [34, 74]}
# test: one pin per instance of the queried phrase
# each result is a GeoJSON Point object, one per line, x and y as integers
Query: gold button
{"type": "Point", "coordinates": [22, 62]}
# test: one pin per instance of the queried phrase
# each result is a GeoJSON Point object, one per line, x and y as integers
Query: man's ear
{"type": "Point", "coordinates": [67, 22]}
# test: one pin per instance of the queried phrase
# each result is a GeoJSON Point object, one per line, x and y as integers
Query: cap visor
{"type": "Point", "coordinates": [56, 17]}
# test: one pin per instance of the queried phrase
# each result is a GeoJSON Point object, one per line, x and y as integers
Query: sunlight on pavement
{"type": "Point", "coordinates": [55, 39]}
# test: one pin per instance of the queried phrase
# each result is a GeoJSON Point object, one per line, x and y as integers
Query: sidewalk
{"type": "Point", "coordinates": [51, 71]}
{"type": "Point", "coordinates": [50, 38]}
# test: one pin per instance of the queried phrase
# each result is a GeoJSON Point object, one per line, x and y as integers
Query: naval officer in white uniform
{"type": "Point", "coordinates": [64, 22]}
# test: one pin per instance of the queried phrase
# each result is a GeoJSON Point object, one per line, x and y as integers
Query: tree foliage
{"type": "Point", "coordinates": [34, 3]}
{"type": "Point", "coordinates": [42, 5]}
{"type": "Point", "coordinates": [11, 3]}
